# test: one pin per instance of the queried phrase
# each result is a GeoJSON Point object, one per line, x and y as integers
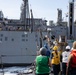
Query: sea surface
{"type": "Point", "coordinates": [17, 71]}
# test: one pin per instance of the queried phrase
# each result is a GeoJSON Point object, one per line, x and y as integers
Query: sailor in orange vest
{"type": "Point", "coordinates": [55, 60]}
{"type": "Point", "coordinates": [71, 65]}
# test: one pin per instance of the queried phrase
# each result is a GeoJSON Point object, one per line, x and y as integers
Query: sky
{"type": "Point", "coordinates": [45, 9]}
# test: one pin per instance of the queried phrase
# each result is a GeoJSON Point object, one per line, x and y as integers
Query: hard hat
{"type": "Point", "coordinates": [55, 48]}
{"type": "Point", "coordinates": [67, 47]}
{"type": "Point", "coordinates": [42, 51]}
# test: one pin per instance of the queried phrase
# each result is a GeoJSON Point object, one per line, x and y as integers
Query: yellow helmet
{"type": "Point", "coordinates": [55, 48]}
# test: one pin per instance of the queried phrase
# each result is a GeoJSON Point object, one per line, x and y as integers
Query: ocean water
{"type": "Point", "coordinates": [17, 71]}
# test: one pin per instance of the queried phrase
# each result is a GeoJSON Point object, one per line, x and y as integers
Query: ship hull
{"type": "Point", "coordinates": [18, 47]}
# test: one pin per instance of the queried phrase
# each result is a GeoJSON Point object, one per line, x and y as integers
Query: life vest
{"type": "Point", "coordinates": [56, 58]}
{"type": "Point", "coordinates": [42, 66]}
{"type": "Point", "coordinates": [73, 61]}
{"type": "Point", "coordinates": [65, 56]}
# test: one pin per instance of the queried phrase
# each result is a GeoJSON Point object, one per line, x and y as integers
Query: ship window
{"type": "Point", "coordinates": [36, 40]}
{"type": "Point", "coordinates": [26, 48]}
{"type": "Point", "coordinates": [26, 35]}
{"type": "Point", "coordinates": [23, 39]}
{"type": "Point", "coordinates": [26, 39]}
{"type": "Point", "coordinates": [23, 35]}
{"type": "Point", "coordinates": [6, 38]}
{"type": "Point", "coordinates": [1, 35]}
{"type": "Point", "coordinates": [35, 35]}
{"type": "Point", "coordinates": [0, 39]}
{"type": "Point", "coordinates": [12, 39]}
{"type": "Point", "coordinates": [61, 28]}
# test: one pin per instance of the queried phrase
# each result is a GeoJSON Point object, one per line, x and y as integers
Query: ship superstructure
{"type": "Point", "coordinates": [20, 38]}
{"type": "Point", "coordinates": [65, 28]}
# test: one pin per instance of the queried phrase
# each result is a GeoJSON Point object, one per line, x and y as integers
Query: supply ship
{"type": "Point", "coordinates": [20, 39]}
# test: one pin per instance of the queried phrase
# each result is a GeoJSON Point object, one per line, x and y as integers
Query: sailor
{"type": "Point", "coordinates": [55, 60]}
{"type": "Point", "coordinates": [65, 56]}
{"type": "Point", "coordinates": [47, 40]}
{"type": "Point", "coordinates": [71, 65]}
{"type": "Point", "coordinates": [48, 50]}
{"type": "Point", "coordinates": [47, 45]}
{"type": "Point", "coordinates": [42, 63]}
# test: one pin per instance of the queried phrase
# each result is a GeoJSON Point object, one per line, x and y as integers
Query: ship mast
{"type": "Point", "coordinates": [25, 4]}
{"type": "Point", "coordinates": [71, 19]}
{"type": "Point", "coordinates": [25, 13]}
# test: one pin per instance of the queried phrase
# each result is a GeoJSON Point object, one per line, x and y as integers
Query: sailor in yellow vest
{"type": "Point", "coordinates": [55, 60]}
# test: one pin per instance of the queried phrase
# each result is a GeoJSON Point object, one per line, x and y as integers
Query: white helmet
{"type": "Point", "coordinates": [67, 47]}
